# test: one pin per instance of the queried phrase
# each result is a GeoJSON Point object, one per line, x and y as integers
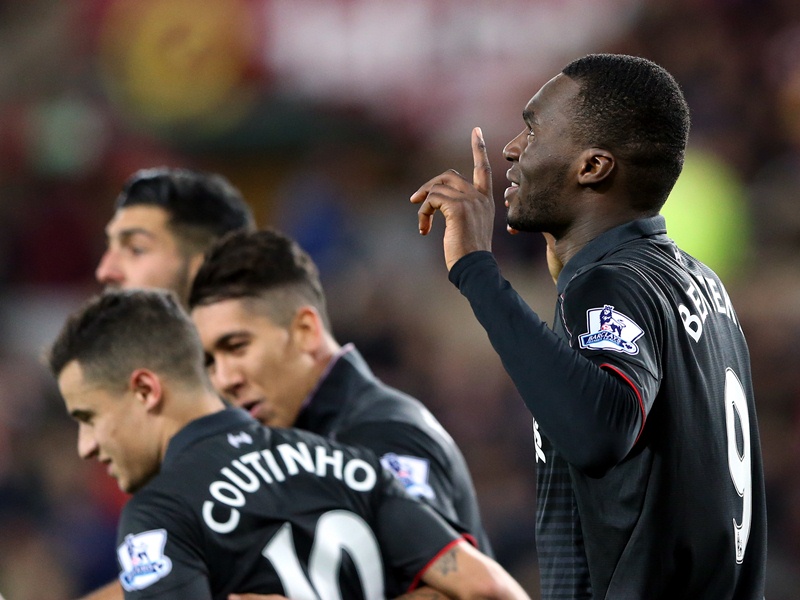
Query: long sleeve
{"type": "Point", "coordinates": [590, 414]}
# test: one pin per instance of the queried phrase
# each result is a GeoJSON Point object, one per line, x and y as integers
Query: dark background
{"type": "Point", "coordinates": [328, 114]}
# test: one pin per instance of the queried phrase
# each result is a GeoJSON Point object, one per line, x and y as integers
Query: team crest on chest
{"type": "Point", "coordinates": [610, 330]}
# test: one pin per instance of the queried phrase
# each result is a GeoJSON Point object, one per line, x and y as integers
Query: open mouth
{"type": "Point", "coordinates": [250, 406]}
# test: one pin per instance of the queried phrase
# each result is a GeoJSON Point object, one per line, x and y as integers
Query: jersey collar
{"type": "Point", "coordinates": [608, 241]}
{"type": "Point", "coordinates": [218, 422]}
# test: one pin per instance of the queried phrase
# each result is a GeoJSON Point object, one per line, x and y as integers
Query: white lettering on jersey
{"type": "Point", "coordinates": [240, 438]}
{"type": "Point", "coordinates": [142, 559]}
{"type": "Point", "coordinates": [253, 468]}
{"type": "Point", "coordinates": [537, 443]}
{"type": "Point", "coordinates": [411, 471]}
{"type": "Point", "coordinates": [720, 303]}
{"type": "Point", "coordinates": [609, 329]}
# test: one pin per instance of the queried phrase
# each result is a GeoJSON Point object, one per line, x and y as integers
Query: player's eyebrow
{"type": "Point", "coordinates": [529, 116]}
{"type": "Point", "coordinates": [81, 415]}
{"type": "Point", "coordinates": [225, 339]}
{"type": "Point", "coordinates": [123, 235]}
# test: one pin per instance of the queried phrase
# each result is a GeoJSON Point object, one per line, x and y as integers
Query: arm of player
{"type": "Point", "coordinates": [468, 208]}
{"type": "Point", "coordinates": [463, 572]}
{"type": "Point", "coordinates": [460, 572]}
{"type": "Point", "coordinates": [111, 591]}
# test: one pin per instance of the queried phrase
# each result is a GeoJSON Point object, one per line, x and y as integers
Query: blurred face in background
{"type": "Point", "coordinates": [267, 369]}
{"type": "Point", "coordinates": [143, 252]}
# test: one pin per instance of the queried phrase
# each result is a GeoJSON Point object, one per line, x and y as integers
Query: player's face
{"type": "Point", "coordinates": [142, 252]}
{"type": "Point", "coordinates": [112, 429]}
{"type": "Point", "coordinates": [543, 156]}
{"type": "Point", "coordinates": [254, 363]}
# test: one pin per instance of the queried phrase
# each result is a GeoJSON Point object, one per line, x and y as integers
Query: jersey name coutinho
{"type": "Point", "coordinates": [250, 471]}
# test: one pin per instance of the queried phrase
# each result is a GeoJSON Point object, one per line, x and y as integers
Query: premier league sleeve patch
{"type": "Point", "coordinates": [610, 330]}
{"type": "Point", "coordinates": [142, 559]}
{"type": "Point", "coordinates": [411, 471]}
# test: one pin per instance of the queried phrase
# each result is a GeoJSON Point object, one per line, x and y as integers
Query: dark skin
{"type": "Point", "coordinates": [560, 188]}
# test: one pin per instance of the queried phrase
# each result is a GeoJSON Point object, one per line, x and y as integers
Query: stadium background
{"type": "Point", "coordinates": [328, 114]}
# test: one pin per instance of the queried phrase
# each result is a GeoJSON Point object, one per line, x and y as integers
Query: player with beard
{"type": "Point", "coordinates": [164, 221]}
{"type": "Point", "coordinates": [649, 471]}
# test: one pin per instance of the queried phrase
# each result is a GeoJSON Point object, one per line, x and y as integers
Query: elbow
{"type": "Point", "coordinates": [496, 584]}
{"type": "Point", "coordinates": [595, 460]}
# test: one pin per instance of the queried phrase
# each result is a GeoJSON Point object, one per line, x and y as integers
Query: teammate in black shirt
{"type": "Point", "coordinates": [260, 309]}
{"type": "Point", "coordinates": [222, 504]}
{"type": "Point", "coordinates": [650, 481]}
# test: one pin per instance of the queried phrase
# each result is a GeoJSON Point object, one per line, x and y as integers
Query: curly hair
{"type": "Point", "coordinates": [635, 109]}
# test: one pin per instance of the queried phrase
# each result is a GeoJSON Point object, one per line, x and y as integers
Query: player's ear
{"type": "Point", "coordinates": [195, 262]}
{"type": "Point", "coordinates": [146, 387]}
{"type": "Point", "coordinates": [307, 329]}
{"type": "Point", "coordinates": [596, 166]}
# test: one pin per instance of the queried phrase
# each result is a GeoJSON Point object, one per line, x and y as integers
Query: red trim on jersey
{"type": "Point", "coordinates": [418, 578]}
{"type": "Point", "coordinates": [471, 539]}
{"type": "Point", "coordinates": [635, 390]}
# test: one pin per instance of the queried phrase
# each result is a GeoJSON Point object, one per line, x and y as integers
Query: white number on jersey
{"type": "Point", "coordinates": [739, 465]}
{"type": "Point", "coordinates": [336, 531]}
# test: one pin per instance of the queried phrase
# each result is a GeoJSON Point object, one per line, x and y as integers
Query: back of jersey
{"type": "Point", "coordinates": [702, 433]}
{"type": "Point", "coordinates": [249, 509]}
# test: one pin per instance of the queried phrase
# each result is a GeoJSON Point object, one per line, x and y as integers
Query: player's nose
{"type": "Point", "coordinates": [87, 444]}
{"type": "Point", "coordinates": [108, 271]}
{"type": "Point", "coordinates": [228, 379]}
{"type": "Point", "coordinates": [513, 148]}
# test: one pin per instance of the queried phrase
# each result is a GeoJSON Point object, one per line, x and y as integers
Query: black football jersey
{"type": "Point", "coordinates": [353, 406]}
{"type": "Point", "coordinates": [649, 473]}
{"type": "Point", "coordinates": [238, 507]}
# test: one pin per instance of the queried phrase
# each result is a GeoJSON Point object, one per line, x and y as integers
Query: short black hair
{"type": "Point", "coordinates": [253, 264]}
{"type": "Point", "coordinates": [634, 108]}
{"type": "Point", "coordinates": [202, 207]}
{"type": "Point", "coordinates": [119, 331]}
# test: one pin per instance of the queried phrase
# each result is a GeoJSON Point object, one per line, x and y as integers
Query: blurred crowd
{"type": "Point", "coordinates": [92, 90]}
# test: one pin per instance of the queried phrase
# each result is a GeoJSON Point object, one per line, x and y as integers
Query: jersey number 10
{"type": "Point", "coordinates": [336, 530]}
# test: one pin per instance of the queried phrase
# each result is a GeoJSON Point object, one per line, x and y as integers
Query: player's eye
{"type": "Point", "coordinates": [530, 133]}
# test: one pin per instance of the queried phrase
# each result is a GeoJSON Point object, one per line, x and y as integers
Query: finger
{"type": "Point", "coordinates": [426, 212]}
{"type": "Point", "coordinates": [482, 173]}
{"type": "Point", "coordinates": [449, 178]}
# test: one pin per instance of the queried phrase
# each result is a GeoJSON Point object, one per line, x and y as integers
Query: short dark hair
{"type": "Point", "coordinates": [119, 331]}
{"type": "Point", "coordinates": [634, 108]}
{"type": "Point", "coordinates": [252, 264]}
{"type": "Point", "coordinates": [202, 207]}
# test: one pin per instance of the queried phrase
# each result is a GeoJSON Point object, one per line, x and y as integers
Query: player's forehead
{"type": "Point", "coordinates": [143, 219]}
{"type": "Point", "coordinates": [79, 393]}
{"type": "Point", "coordinates": [554, 98]}
{"type": "Point", "coordinates": [218, 321]}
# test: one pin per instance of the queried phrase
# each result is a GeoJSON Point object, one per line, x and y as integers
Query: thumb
{"type": "Point", "coordinates": [482, 173]}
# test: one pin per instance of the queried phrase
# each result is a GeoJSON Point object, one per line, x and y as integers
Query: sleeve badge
{"type": "Point", "coordinates": [610, 330]}
{"type": "Point", "coordinates": [411, 471]}
{"type": "Point", "coordinates": [142, 559]}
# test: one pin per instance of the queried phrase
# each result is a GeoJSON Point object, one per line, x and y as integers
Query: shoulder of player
{"type": "Point", "coordinates": [401, 438]}
{"type": "Point", "coordinates": [616, 276]}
